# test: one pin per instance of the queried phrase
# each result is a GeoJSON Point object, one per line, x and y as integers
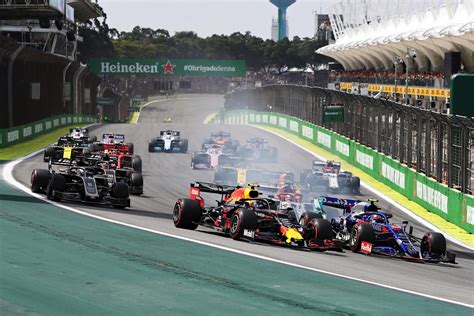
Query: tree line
{"type": "Point", "coordinates": [100, 41]}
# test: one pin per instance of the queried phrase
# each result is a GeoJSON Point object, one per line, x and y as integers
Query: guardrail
{"type": "Point", "coordinates": [437, 145]}
{"type": "Point", "coordinates": [450, 204]}
{"type": "Point", "coordinates": [11, 136]}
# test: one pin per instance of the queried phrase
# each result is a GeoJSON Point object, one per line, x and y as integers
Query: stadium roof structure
{"type": "Point", "coordinates": [372, 34]}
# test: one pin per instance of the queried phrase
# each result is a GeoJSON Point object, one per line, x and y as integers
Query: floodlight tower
{"type": "Point", "coordinates": [282, 5]}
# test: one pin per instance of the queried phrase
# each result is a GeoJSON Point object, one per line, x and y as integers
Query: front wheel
{"type": "Point", "coordinates": [433, 244]}
{"type": "Point", "coordinates": [361, 233]}
{"type": "Point", "coordinates": [242, 220]}
{"type": "Point", "coordinates": [319, 229]}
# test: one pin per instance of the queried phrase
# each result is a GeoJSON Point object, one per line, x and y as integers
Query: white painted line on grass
{"type": "Point", "coordinates": [8, 177]}
{"type": "Point", "coordinates": [380, 194]}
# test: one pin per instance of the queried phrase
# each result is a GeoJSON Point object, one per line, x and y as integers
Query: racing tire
{"type": "Point", "coordinates": [56, 183]}
{"type": "Point", "coordinates": [183, 146]}
{"type": "Point", "coordinates": [319, 229]}
{"type": "Point", "coordinates": [307, 217]}
{"type": "Point", "coordinates": [355, 185]}
{"type": "Point", "coordinates": [136, 180]}
{"type": "Point", "coordinates": [48, 153]}
{"type": "Point", "coordinates": [130, 148]}
{"type": "Point", "coordinates": [187, 213]}
{"type": "Point", "coordinates": [151, 148]}
{"type": "Point", "coordinates": [120, 190]}
{"type": "Point", "coordinates": [433, 243]}
{"type": "Point", "coordinates": [241, 220]}
{"type": "Point", "coordinates": [92, 139]}
{"type": "Point", "coordinates": [137, 164]}
{"type": "Point", "coordinates": [359, 234]}
{"type": "Point", "coordinates": [39, 180]}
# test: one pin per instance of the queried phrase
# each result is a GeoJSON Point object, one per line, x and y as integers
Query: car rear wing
{"type": "Point", "coordinates": [203, 187]}
{"type": "Point", "coordinates": [337, 202]}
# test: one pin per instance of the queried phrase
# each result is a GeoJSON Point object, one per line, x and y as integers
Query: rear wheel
{"type": "Point", "coordinates": [187, 213]}
{"type": "Point", "coordinates": [361, 233]}
{"type": "Point", "coordinates": [306, 217]}
{"type": "Point", "coordinates": [136, 180]}
{"type": "Point", "coordinates": [48, 153]}
{"type": "Point", "coordinates": [183, 145]}
{"type": "Point", "coordinates": [242, 219]}
{"type": "Point", "coordinates": [130, 148]}
{"type": "Point", "coordinates": [433, 243]}
{"type": "Point", "coordinates": [355, 185]}
{"type": "Point", "coordinates": [319, 229]}
{"type": "Point", "coordinates": [40, 180]}
{"type": "Point", "coordinates": [137, 164]}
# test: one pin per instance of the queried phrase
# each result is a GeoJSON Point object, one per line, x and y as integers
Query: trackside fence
{"type": "Point", "coordinates": [11, 136]}
{"type": "Point", "coordinates": [305, 122]}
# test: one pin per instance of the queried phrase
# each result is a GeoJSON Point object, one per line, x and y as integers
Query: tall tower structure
{"type": "Point", "coordinates": [282, 6]}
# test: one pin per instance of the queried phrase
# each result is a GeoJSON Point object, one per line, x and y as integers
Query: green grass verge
{"type": "Point", "coordinates": [29, 146]}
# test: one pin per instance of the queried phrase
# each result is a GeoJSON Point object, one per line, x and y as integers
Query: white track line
{"type": "Point", "coordinates": [8, 177]}
{"type": "Point", "coordinates": [380, 194]}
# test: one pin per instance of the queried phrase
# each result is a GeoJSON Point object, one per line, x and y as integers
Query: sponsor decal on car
{"type": "Point", "coordinates": [249, 233]}
{"type": "Point", "coordinates": [366, 247]}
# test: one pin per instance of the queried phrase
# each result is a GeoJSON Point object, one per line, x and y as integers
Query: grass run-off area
{"type": "Point", "coordinates": [29, 146]}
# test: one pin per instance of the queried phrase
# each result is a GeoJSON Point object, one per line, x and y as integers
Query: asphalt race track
{"type": "Point", "coordinates": [167, 177]}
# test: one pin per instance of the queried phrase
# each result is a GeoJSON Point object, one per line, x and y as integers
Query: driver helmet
{"type": "Point", "coordinates": [285, 205]}
{"type": "Point", "coordinates": [376, 218]}
{"type": "Point", "coordinates": [80, 172]}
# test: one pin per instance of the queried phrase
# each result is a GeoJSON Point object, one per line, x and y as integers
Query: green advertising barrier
{"type": "Point", "coordinates": [168, 67]}
{"type": "Point", "coordinates": [454, 206]}
{"type": "Point", "coordinates": [11, 136]}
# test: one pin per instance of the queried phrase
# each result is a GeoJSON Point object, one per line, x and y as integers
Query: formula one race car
{"type": "Point", "coordinates": [243, 215]}
{"type": "Point", "coordinates": [327, 176]}
{"type": "Point", "coordinates": [222, 139]}
{"type": "Point", "coordinates": [365, 229]}
{"type": "Point", "coordinates": [168, 141]}
{"type": "Point", "coordinates": [257, 149]}
{"type": "Point", "coordinates": [80, 184]}
{"type": "Point", "coordinates": [56, 152]}
{"type": "Point", "coordinates": [124, 168]}
{"type": "Point", "coordinates": [207, 159]}
{"type": "Point", "coordinates": [78, 133]}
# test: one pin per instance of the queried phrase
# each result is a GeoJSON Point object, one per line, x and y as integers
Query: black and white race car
{"type": "Point", "coordinates": [168, 141]}
{"type": "Point", "coordinates": [83, 184]}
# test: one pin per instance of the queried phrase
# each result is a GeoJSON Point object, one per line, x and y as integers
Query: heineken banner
{"type": "Point", "coordinates": [168, 67]}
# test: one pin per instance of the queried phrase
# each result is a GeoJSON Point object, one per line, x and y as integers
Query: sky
{"type": "Point", "coordinates": [208, 17]}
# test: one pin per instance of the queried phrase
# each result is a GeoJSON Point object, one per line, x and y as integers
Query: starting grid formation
{"type": "Point", "coordinates": [11, 136]}
{"type": "Point", "coordinates": [448, 203]}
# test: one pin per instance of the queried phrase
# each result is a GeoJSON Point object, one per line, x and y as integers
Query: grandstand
{"type": "Point", "coordinates": [40, 76]}
{"type": "Point", "coordinates": [420, 43]}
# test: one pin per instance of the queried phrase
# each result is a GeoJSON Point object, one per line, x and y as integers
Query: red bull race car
{"type": "Point", "coordinates": [242, 214]}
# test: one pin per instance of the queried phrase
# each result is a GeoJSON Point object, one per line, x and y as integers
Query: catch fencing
{"type": "Point", "coordinates": [437, 145]}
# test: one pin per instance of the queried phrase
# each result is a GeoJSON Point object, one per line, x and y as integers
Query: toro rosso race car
{"type": "Point", "coordinates": [168, 141]}
{"type": "Point", "coordinates": [77, 183]}
{"type": "Point", "coordinates": [363, 228]}
{"type": "Point", "coordinates": [257, 149]}
{"type": "Point", "coordinates": [241, 214]}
